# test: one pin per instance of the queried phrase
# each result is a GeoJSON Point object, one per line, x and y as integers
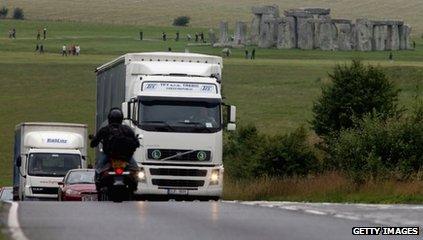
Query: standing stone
{"type": "Point", "coordinates": [404, 35]}
{"type": "Point", "coordinates": [364, 34]}
{"type": "Point", "coordinates": [325, 35]}
{"type": "Point", "coordinates": [286, 33]}
{"type": "Point", "coordinates": [380, 36]}
{"type": "Point", "coordinates": [212, 37]}
{"type": "Point", "coordinates": [305, 30]}
{"type": "Point", "coordinates": [393, 37]}
{"type": "Point", "coordinates": [255, 29]}
{"type": "Point", "coordinates": [240, 37]}
{"type": "Point", "coordinates": [345, 39]}
{"type": "Point", "coordinates": [261, 15]}
{"type": "Point", "coordinates": [224, 35]}
{"type": "Point", "coordinates": [268, 34]}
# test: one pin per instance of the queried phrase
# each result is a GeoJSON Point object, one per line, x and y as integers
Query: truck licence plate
{"type": "Point", "coordinates": [177, 191]}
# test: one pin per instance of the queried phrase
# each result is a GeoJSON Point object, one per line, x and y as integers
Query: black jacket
{"type": "Point", "coordinates": [103, 135]}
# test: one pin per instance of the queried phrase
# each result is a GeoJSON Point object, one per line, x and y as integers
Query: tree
{"type": "Point", "coordinates": [181, 21]}
{"type": "Point", "coordinates": [356, 90]}
{"type": "Point", "coordinates": [3, 12]}
{"type": "Point", "coordinates": [18, 13]}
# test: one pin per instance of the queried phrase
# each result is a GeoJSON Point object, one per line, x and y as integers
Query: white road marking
{"type": "Point", "coordinates": [315, 212]}
{"type": "Point", "coordinates": [13, 223]}
{"type": "Point", "coordinates": [384, 214]}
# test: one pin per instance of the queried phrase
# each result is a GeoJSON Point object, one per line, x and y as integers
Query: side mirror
{"type": "Point", "coordinates": [231, 127]}
{"type": "Point", "coordinates": [19, 161]}
{"type": "Point", "coordinates": [61, 183]}
{"type": "Point", "coordinates": [232, 114]}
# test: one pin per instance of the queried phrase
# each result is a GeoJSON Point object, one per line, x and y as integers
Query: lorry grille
{"type": "Point", "coordinates": [177, 183]}
{"type": "Point", "coordinates": [178, 172]}
{"type": "Point", "coordinates": [44, 190]}
{"type": "Point", "coordinates": [199, 156]}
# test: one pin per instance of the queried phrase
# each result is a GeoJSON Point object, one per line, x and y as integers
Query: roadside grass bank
{"type": "Point", "coordinates": [325, 187]}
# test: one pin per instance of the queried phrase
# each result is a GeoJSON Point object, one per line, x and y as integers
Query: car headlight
{"type": "Point", "coordinates": [72, 192]}
{"type": "Point", "coordinates": [214, 177]}
{"type": "Point", "coordinates": [141, 175]}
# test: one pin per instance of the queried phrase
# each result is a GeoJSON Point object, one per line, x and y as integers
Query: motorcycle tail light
{"type": "Point", "coordinates": [118, 171]}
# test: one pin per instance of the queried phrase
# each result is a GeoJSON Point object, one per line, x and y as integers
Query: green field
{"type": "Point", "coordinates": [207, 13]}
{"type": "Point", "coordinates": [275, 91]}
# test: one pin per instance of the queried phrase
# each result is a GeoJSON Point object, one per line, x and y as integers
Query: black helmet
{"type": "Point", "coordinates": [115, 116]}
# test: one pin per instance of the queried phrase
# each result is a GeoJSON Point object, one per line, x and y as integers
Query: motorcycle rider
{"type": "Point", "coordinates": [105, 135]}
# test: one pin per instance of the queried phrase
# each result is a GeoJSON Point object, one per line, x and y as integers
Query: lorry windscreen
{"type": "Point", "coordinates": [52, 164]}
{"type": "Point", "coordinates": [179, 116]}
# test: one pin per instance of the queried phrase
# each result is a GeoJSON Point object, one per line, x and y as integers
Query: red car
{"type": "Point", "coordinates": [78, 185]}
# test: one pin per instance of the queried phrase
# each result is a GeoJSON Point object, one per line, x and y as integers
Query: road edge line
{"type": "Point", "coordinates": [13, 223]}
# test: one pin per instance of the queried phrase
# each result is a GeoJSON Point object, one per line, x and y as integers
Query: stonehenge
{"type": "Point", "coordinates": [314, 28]}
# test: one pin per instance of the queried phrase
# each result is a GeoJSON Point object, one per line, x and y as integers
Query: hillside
{"type": "Point", "coordinates": [205, 13]}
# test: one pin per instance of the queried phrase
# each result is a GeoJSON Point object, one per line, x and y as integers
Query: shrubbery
{"type": "Point", "coordinates": [18, 13]}
{"type": "Point", "coordinates": [181, 21]}
{"type": "Point", "coordinates": [380, 147]}
{"type": "Point", "coordinates": [356, 90]}
{"type": "Point", "coordinates": [251, 154]}
{"type": "Point", "coordinates": [364, 135]}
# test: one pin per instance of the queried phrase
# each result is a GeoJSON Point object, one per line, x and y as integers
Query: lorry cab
{"type": "Point", "coordinates": [44, 153]}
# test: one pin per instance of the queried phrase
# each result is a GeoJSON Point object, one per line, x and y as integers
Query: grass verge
{"type": "Point", "coordinates": [327, 187]}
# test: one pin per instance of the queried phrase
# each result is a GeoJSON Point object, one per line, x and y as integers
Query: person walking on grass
{"type": "Point", "coordinates": [253, 54]}
{"type": "Point", "coordinates": [41, 48]}
{"type": "Point", "coordinates": [77, 49]}
{"type": "Point", "coordinates": [45, 33]}
{"type": "Point", "coordinates": [64, 50]}
{"type": "Point", "coordinates": [38, 34]}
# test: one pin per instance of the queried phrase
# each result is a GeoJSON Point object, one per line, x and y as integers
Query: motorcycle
{"type": "Point", "coordinates": [117, 182]}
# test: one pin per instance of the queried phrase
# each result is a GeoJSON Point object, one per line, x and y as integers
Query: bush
{"type": "Point", "coordinates": [3, 12]}
{"type": "Point", "coordinates": [18, 13]}
{"type": "Point", "coordinates": [356, 90]}
{"type": "Point", "coordinates": [242, 151]}
{"type": "Point", "coordinates": [380, 147]}
{"type": "Point", "coordinates": [181, 21]}
{"type": "Point", "coordinates": [249, 154]}
{"type": "Point", "coordinates": [288, 155]}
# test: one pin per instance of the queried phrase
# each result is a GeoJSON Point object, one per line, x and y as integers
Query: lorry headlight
{"type": "Point", "coordinates": [214, 177]}
{"type": "Point", "coordinates": [141, 175]}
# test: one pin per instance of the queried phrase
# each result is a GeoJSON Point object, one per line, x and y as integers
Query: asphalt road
{"type": "Point", "coordinates": [187, 220]}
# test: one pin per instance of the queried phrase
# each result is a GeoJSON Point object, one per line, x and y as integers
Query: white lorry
{"type": "Point", "coordinates": [43, 153]}
{"type": "Point", "coordinates": [173, 103]}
